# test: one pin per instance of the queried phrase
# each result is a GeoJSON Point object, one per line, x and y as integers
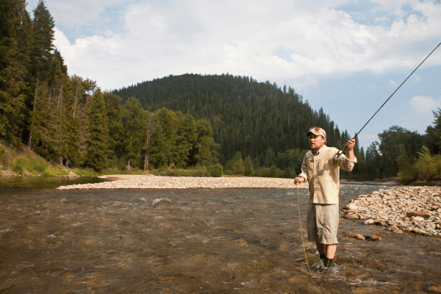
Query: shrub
{"type": "Point", "coordinates": [239, 168]}
{"type": "Point", "coordinates": [263, 172]}
{"type": "Point", "coordinates": [427, 166]}
{"type": "Point", "coordinates": [3, 157]}
{"type": "Point", "coordinates": [289, 173]}
{"type": "Point", "coordinates": [18, 167]}
{"type": "Point", "coordinates": [249, 168]}
{"type": "Point", "coordinates": [216, 170]}
{"type": "Point", "coordinates": [274, 171]}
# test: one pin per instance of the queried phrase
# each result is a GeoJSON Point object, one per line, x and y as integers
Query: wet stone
{"type": "Point", "coordinates": [408, 209]}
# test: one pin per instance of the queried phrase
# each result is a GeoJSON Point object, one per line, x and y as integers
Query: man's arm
{"type": "Point", "coordinates": [347, 163]}
{"type": "Point", "coordinates": [351, 145]}
{"type": "Point", "coordinates": [302, 176]}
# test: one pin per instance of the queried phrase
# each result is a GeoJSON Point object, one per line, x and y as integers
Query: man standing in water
{"type": "Point", "coordinates": [321, 168]}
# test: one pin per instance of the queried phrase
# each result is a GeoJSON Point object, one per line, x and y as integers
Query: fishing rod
{"type": "Point", "coordinates": [356, 134]}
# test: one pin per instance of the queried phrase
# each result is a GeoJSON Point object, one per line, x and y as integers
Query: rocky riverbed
{"type": "Point", "coordinates": [402, 209]}
{"type": "Point", "coordinates": [161, 182]}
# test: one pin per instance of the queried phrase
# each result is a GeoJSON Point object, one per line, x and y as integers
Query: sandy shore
{"type": "Point", "coordinates": [161, 182]}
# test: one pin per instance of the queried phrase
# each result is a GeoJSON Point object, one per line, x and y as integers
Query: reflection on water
{"type": "Point", "coordinates": [195, 241]}
{"type": "Point", "coordinates": [18, 183]}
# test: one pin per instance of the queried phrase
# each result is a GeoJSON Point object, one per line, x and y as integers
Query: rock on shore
{"type": "Point", "coordinates": [402, 209]}
{"type": "Point", "coordinates": [160, 182]}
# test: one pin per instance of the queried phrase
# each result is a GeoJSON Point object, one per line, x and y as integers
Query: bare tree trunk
{"type": "Point", "coordinates": [33, 112]}
{"type": "Point", "coordinates": [60, 120]}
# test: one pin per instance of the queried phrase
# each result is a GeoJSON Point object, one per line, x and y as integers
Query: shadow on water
{"type": "Point", "coordinates": [26, 183]}
{"type": "Point", "coordinates": [196, 241]}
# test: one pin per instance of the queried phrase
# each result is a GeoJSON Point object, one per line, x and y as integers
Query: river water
{"type": "Point", "coordinates": [196, 241]}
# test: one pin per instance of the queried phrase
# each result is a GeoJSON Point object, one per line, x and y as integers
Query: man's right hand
{"type": "Point", "coordinates": [299, 180]}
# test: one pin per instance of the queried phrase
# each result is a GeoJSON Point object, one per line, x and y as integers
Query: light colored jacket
{"type": "Point", "coordinates": [322, 171]}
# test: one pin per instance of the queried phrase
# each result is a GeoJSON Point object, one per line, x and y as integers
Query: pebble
{"type": "Point", "coordinates": [161, 182]}
{"type": "Point", "coordinates": [401, 209]}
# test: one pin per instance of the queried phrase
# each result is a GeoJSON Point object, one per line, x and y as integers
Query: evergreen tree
{"type": "Point", "coordinates": [114, 120]}
{"type": "Point", "coordinates": [98, 134]}
{"type": "Point", "coordinates": [14, 64]}
{"type": "Point", "coordinates": [248, 166]}
{"type": "Point", "coordinates": [43, 36]}
{"type": "Point", "coordinates": [205, 149]}
{"type": "Point", "coordinates": [134, 121]}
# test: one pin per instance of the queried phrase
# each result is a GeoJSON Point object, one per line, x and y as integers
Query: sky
{"type": "Point", "coordinates": [344, 56]}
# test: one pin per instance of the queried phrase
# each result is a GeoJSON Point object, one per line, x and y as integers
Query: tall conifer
{"type": "Point", "coordinates": [14, 64]}
{"type": "Point", "coordinates": [98, 133]}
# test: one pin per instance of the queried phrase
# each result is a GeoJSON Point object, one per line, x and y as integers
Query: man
{"type": "Point", "coordinates": [321, 168]}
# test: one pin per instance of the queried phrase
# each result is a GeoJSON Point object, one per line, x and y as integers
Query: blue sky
{"type": "Point", "coordinates": [346, 56]}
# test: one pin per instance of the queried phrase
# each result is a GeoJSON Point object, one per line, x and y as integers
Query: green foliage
{"type": "Point", "coordinates": [216, 170]}
{"type": "Point", "coordinates": [239, 168]}
{"type": "Point", "coordinates": [18, 167]}
{"type": "Point", "coordinates": [289, 173]}
{"type": "Point", "coordinates": [248, 167]}
{"type": "Point", "coordinates": [406, 165]}
{"type": "Point", "coordinates": [98, 134]}
{"type": "Point", "coordinates": [275, 172]}
{"type": "Point", "coordinates": [4, 160]}
{"type": "Point", "coordinates": [199, 171]}
{"type": "Point", "coordinates": [15, 38]}
{"type": "Point", "coordinates": [30, 165]}
{"type": "Point", "coordinates": [246, 115]}
{"type": "Point", "coordinates": [428, 166]}
{"type": "Point", "coordinates": [263, 172]}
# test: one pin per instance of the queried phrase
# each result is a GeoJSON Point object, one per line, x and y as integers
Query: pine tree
{"type": "Point", "coordinates": [98, 133]}
{"type": "Point", "coordinates": [205, 149]}
{"type": "Point", "coordinates": [248, 165]}
{"type": "Point", "coordinates": [14, 61]}
{"type": "Point", "coordinates": [114, 120]}
{"type": "Point", "coordinates": [134, 121]}
{"type": "Point", "coordinates": [41, 60]}
{"type": "Point", "coordinates": [43, 36]}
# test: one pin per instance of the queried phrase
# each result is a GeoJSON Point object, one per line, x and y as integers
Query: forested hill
{"type": "Point", "coordinates": [258, 119]}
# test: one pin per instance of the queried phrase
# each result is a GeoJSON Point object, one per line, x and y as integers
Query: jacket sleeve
{"type": "Point", "coordinates": [346, 163]}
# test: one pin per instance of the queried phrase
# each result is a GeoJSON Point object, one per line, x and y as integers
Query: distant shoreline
{"type": "Point", "coordinates": [168, 182]}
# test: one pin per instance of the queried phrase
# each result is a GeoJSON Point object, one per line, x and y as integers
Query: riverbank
{"type": "Point", "coordinates": [402, 209]}
{"type": "Point", "coordinates": [164, 182]}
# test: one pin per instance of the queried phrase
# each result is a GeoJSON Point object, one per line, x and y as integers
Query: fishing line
{"type": "Point", "coordinates": [356, 134]}
{"type": "Point", "coordinates": [301, 230]}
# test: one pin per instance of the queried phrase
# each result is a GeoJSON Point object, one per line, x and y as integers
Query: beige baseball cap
{"type": "Point", "coordinates": [317, 131]}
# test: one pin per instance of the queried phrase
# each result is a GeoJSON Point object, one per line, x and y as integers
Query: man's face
{"type": "Point", "coordinates": [316, 142]}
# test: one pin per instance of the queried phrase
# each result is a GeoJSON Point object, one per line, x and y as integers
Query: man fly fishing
{"type": "Point", "coordinates": [321, 168]}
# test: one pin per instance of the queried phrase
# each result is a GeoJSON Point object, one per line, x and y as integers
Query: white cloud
{"type": "Point", "coordinates": [424, 105]}
{"type": "Point", "coordinates": [420, 113]}
{"type": "Point", "coordinates": [241, 37]}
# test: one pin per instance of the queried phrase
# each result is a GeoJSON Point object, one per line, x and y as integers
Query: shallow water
{"type": "Point", "coordinates": [20, 183]}
{"type": "Point", "coordinates": [195, 241]}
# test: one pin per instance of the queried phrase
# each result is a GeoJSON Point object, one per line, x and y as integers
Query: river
{"type": "Point", "coordinates": [195, 241]}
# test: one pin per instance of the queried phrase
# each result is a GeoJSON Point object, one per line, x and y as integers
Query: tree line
{"type": "Point", "coordinates": [69, 120]}
{"type": "Point", "coordinates": [258, 120]}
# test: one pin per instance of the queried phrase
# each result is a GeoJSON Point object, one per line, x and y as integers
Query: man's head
{"type": "Point", "coordinates": [317, 138]}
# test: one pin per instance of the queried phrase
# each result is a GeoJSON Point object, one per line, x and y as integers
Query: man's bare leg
{"type": "Point", "coordinates": [321, 248]}
{"type": "Point", "coordinates": [330, 251]}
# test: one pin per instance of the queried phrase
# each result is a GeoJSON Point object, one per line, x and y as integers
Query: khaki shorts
{"type": "Point", "coordinates": [322, 222]}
